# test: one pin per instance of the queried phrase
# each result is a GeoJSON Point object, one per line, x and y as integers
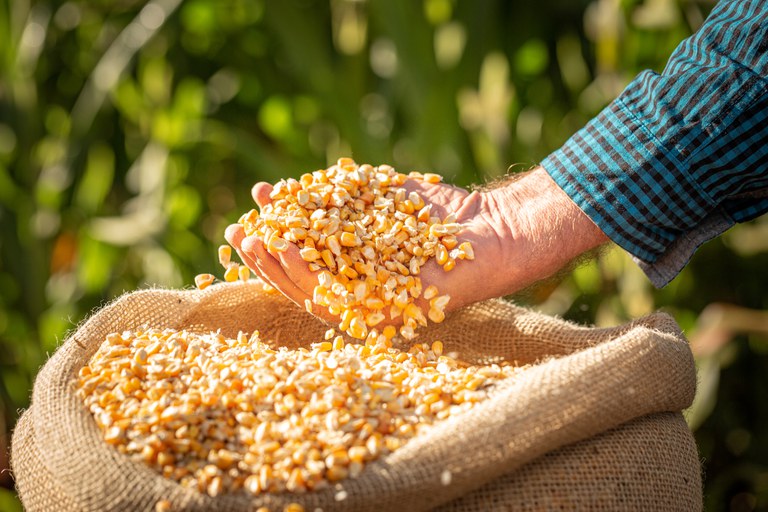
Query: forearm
{"type": "Point", "coordinates": [543, 228]}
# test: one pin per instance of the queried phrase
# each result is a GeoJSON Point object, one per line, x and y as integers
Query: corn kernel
{"type": "Point", "coordinates": [467, 250]}
{"type": "Point", "coordinates": [277, 244]}
{"type": "Point", "coordinates": [202, 281]}
{"type": "Point", "coordinates": [349, 240]}
{"type": "Point", "coordinates": [309, 254]}
{"type": "Point", "coordinates": [163, 506]}
{"type": "Point", "coordinates": [232, 273]}
{"type": "Point", "coordinates": [225, 255]}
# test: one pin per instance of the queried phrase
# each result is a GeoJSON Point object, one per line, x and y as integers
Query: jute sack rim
{"type": "Point", "coordinates": [649, 354]}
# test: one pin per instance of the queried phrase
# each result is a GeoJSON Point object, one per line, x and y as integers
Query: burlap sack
{"type": "Point", "coordinates": [595, 423]}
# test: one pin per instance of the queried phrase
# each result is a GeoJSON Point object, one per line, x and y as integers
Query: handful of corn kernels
{"type": "Point", "coordinates": [366, 237]}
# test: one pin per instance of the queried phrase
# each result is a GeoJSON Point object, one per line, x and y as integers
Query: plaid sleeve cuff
{"type": "Point", "coordinates": [628, 183]}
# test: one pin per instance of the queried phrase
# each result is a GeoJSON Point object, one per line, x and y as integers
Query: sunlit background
{"type": "Point", "coordinates": [131, 132]}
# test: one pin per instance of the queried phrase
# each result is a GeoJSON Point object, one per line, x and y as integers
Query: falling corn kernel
{"type": "Point", "coordinates": [225, 255]}
{"type": "Point", "coordinates": [202, 281]}
{"type": "Point", "coordinates": [232, 273]}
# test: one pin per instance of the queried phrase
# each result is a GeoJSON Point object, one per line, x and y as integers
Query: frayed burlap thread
{"type": "Point", "coordinates": [594, 422]}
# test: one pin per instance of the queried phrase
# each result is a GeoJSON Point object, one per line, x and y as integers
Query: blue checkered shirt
{"type": "Point", "coordinates": [681, 156]}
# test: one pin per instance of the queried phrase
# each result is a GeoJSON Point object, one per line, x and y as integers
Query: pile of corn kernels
{"type": "Point", "coordinates": [366, 237]}
{"type": "Point", "coordinates": [219, 414]}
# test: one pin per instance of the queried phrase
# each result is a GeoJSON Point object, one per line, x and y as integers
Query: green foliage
{"type": "Point", "coordinates": [131, 133]}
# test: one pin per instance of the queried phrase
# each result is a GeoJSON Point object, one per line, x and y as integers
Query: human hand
{"type": "Point", "coordinates": [521, 232]}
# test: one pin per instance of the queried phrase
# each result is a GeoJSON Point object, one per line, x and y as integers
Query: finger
{"type": "Point", "coordinates": [298, 269]}
{"type": "Point", "coordinates": [253, 254]}
{"type": "Point", "coordinates": [260, 193]}
{"type": "Point", "coordinates": [284, 280]}
{"type": "Point", "coordinates": [235, 236]}
{"type": "Point", "coordinates": [270, 267]}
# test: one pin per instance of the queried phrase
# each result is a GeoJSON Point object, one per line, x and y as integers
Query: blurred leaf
{"type": "Point", "coordinates": [95, 265]}
{"type": "Point", "coordinates": [54, 324]}
{"type": "Point", "coordinates": [128, 98]}
{"type": "Point", "coordinates": [532, 58]}
{"type": "Point", "coordinates": [587, 278]}
{"type": "Point", "coordinates": [97, 179]}
{"type": "Point", "coordinates": [183, 206]}
{"type": "Point", "coordinates": [199, 16]}
{"type": "Point", "coordinates": [275, 117]}
{"type": "Point", "coordinates": [16, 385]}
{"type": "Point", "coordinates": [438, 11]}
{"type": "Point", "coordinates": [156, 77]}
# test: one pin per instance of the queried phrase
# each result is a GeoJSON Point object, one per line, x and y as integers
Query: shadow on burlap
{"type": "Point", "coordinates": [593, 423]}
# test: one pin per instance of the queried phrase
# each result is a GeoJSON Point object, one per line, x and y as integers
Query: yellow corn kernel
{"type": "Point", "coordinates": [374, 318]}
{"type": "Point", "coordinates": [449, 242]}
{"type": "Point", "coordinates": [232, 273]}
{"type": "Point", "coordinates": [202, 281]}
{"type": "Point", "coordinates": [389, 332]}
{"type": "Point", "coordinates": [302, 197]}
{"type": "Point", "coordinates": [467, 250]}
{"type": "Point", "coordinates": [357, 328]}
{"type": "Point", "coordinates": [436, 315]}
{"type": "Point", "coordinates": [277, 244]}
{"type": "Point", "coordinates": [225, 255]}
{"type": "Point", "coordinates": [346, 319]}
{"type": "Point", "coordinates": [374, 303]}
{"type": "Point", "coordinates": [163, 506]}
{"type": "Point", "coordinates": [327, 257]}
{"type": "Point", "coordinates": [349, 239]}
{"type": "Point", "coordinates": [309, 254]}
{"type": "Point", "coordinates": [332, 243]}
{"type": "Point", "coordinates": [440, 302]}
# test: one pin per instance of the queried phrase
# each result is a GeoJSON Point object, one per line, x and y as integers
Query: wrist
{"type": "Point", "coordinates": [541, 229]}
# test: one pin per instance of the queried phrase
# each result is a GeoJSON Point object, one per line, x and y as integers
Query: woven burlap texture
{"type": "Point", "coordinates": [584, 415]}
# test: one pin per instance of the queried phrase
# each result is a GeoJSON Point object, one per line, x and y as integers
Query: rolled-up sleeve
{"type": "Point", "coordinates": [680, 156]}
